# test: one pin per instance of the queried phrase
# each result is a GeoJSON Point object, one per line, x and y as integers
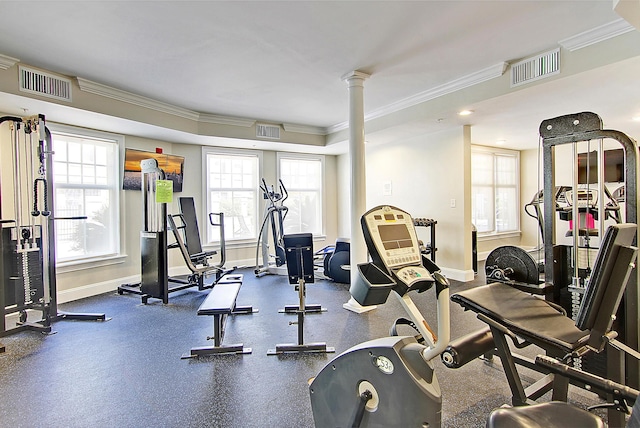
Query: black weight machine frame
{"type": "Point", "coordinates": [34, 235]}
{"type": "Point", "coordinates": [155, 281]}
{"type": "Point", "coordinates": [571, 129]}
{"type": "Point", "coordinates": [299, 254]}
{"type": "Point", "coordinates": [528, 320]}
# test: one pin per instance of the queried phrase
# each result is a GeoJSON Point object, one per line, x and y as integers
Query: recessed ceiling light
{"type": "Point", "coordinates": [636, 118]}
{"type": "Point", "coordinates": [465, 112]}
{"type": "Point", "coordinates": [501, 142]}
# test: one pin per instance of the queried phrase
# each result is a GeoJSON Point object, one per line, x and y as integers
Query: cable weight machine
{"type": "Point", "coordinates": [27, 242]}
{"type": "Point", "coordinates": [153, 240]}
{"type": "Point", "coordinates": [586, 203]}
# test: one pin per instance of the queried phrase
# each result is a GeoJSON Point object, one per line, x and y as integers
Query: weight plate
{"type": "Point", "coordinates": [525, 268]}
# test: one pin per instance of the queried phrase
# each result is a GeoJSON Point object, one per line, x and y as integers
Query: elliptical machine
{"type": "Point", "coordinates": [388, 381]}
{"type": "Point", "coordinates": [274, 215]}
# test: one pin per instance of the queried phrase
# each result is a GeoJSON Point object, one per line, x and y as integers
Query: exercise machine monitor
{"type": "Point", "coordinates": [393, 244]}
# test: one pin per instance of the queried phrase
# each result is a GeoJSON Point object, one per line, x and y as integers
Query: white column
{"type": "Point", "coordinates": [355, 83]}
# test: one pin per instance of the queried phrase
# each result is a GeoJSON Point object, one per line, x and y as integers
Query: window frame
{"type": "Point", "coordinates": [496, 152]}
{"type": "Point", "coordinates": [119, 255]}
{"type": "Point", "coordinates": [306, 157]}
{"type": "Point", "coordinates": [212, 150]}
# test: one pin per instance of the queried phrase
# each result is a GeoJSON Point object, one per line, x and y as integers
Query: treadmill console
{"type": "Point", "coordinates": [582, 198]}
{"type": "Point", "coordinates": [393, 244]}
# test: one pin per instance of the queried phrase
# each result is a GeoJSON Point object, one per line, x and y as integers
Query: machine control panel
{"type": "Point", "coordinates": [582, 198]}
{"type": "Point", "coordinates": [412, 274]}
{"type": "Point", "coordinates": [391, 239]}
{"type": "Point", "coordinates": [394, 236]}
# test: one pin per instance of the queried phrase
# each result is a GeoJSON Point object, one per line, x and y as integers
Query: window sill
{"type": "Point", "coordinates": [500, 235]}
{"type": "Point", "coordinates": [76, 265]}
{"type": "Point", "coordinates": [249, 244]}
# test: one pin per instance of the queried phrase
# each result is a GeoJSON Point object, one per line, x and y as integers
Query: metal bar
{"type": "Point", "coordinates": [575, 214]}
{"type": "Point", "coordinates": [519, 397]}
{"type": "Point", "coordinates": [218, 329]}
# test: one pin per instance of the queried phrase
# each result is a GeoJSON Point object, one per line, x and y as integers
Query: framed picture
{"type": "Point", "coordinates": [172, 165]}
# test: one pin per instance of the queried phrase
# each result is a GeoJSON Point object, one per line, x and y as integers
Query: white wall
{"type": "Point", "coordinates": [426, 173]}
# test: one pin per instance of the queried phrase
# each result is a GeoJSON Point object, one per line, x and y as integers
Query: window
{"type": "Point", "coordinates": [86, 183]}
{"type": "Point", "coordinates": [303, 177]}
{"type": "Point", "coordinates": [495, 190]}
{"type": "Point", "coordinates": [232, 188]}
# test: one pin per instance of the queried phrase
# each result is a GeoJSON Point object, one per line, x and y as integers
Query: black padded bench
{"type": "Point", "coordinates": [220, 303]}
{"type": "Point", "coordinates": [527, 319]}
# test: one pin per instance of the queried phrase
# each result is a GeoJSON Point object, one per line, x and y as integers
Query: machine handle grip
{"type": "Point", "coordinates": [283, 190]}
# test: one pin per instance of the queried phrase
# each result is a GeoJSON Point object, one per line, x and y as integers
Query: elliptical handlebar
{"type": "Point", "coordinates": [271, 194]}
{"type": "Point", "coordinates": [283, 191]}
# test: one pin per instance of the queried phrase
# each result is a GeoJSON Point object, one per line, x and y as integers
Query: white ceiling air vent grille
{"type": "Point", "coordinates": [268, 131]}
{"type": "Point", "coordinates": [44, 84]}
{"type": "Point", "coordinates": [535, 68]}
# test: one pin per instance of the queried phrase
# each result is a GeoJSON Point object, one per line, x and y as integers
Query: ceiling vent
{"type": "Point", "coordinates": [44, 84]}
{"type": "Point", "coordinates": [535, 68]}
{"type": "Point", "coordinates": [268, 131]}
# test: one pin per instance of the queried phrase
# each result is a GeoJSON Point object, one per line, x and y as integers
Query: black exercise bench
{"type": "Point", "coordinates": [220, 303]}
{"type": "Point", "coordinates": [527, 319]}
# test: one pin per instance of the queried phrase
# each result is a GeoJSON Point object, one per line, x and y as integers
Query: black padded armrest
{"type": "Point", "coordinates": [527, 316]}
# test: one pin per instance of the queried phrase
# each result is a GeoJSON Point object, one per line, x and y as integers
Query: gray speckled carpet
{"type": "Point", "coordinates": [127, 372]}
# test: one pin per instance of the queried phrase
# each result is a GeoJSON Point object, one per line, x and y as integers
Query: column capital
{"type": "Point", "coordinates": [355, 75]}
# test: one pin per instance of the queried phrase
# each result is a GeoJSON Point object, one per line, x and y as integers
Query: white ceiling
{"type": "Point", "coordinates": [282, 61]}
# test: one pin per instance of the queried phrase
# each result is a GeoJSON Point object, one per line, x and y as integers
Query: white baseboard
{"type": "Point", "coordinates": [458, 275]}
{"type": "Point", "coordinates": [94, 289]}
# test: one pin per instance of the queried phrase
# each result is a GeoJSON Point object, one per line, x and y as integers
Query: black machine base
{"type": "Point", "coordinates": [294, 309]}
{"type": "Point", "coordinates": [290, 348]}
{"type": "Point", "coordinates": [136, 289]}
{"type": "Point", "coordinates": [204, 351]}
{"type": "Point", "coordinates": [81, 317]}
{"type": "Point", "coordinates": [44, 325]}
{"type": "Point", "coordinates": [41, 327]}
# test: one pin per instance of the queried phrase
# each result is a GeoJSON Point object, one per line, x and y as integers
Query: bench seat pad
{"type": "Point", "coordinates": [221, 299]}
{"type": "Point", "coordinates": [529, 317]}
{"type": "Point", "coordinates": [544, 415]}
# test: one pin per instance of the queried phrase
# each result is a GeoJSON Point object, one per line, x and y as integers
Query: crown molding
{"type": "Point", "coordinates": [480, 76]}
{"type": "Point", "coordinates": [596, 35]}
{"type": "Point", "coordinates": [304, 129]}
{"type": "Point", "coordinates": [226, 120]}
{"type": "Point", "coordinates": [139, 100]}
{"type": "Point", "coordinates": [7, 62]}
